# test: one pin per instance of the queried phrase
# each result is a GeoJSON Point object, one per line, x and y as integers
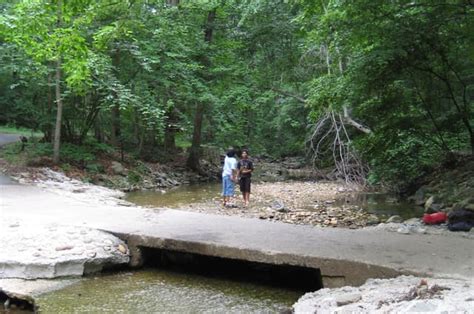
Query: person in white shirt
{"type": "Point", "coordinates": [229, 176]}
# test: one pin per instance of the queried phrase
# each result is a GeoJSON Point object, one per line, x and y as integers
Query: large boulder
{"type": "Point", "coordinates": [118, 168]}
{"type": "Point", "coordinates": [420, 196]}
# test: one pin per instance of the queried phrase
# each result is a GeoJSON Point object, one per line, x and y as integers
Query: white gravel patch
{"type": "Point", "coordinates": [58, 183]}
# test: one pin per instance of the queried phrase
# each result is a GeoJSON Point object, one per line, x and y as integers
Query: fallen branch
{"type": "Point", "coordinates": [348, 120]}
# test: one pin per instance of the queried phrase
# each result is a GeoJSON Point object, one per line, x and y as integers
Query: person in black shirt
{"type": "Point", "coordinates": [245, 167]}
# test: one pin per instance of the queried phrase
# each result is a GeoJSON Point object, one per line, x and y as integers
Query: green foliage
{"type": "Point", "coordinates": [133, 177]}
{"type": "Point", "coordinates": [403, 69]}
{"type": "Point", "coordinates": [11, 129]}
{"type": "Point", "coordinates": [390, 153]}
{"type": "Point", "coordinates": [135, 72]}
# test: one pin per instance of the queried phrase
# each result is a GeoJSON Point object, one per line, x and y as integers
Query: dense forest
{"type": "Point", "coordinates": [380, 90]}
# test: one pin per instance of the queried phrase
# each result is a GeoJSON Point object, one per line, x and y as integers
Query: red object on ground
{"type": "Point", "coordinates": [436, 218]}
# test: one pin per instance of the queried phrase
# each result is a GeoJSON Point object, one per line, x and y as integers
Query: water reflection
{"type": "Point", "coordinates": [384, 205]}
{"type": "Point", "coordinates": [176, 197]}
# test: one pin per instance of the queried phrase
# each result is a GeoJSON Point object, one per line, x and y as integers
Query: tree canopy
{"type": "Point", "coordinates": [381, 90]}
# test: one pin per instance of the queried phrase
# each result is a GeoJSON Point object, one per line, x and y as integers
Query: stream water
{"type": "Point", "coordinates": [158, 291]}
{"type": "Point", "coordinates": [382, 205]}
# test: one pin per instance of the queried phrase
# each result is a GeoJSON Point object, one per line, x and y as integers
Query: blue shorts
{"type": "Point", "coordinates": [227, 186]}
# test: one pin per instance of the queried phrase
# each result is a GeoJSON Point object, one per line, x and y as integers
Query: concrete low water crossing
{"type": "Point", "coordinates": [343, 257]}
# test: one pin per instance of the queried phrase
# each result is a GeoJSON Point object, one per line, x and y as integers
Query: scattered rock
{"type": "Point", "coordinates": [404, 230]}
{"type": "Point", "coordinates": [348, 298]}
{"type": "Point", "coordinates": [108, 242]}
{"type": "Point", "coordinates": [279, 206]}
{"type": "Point", "coordinates": [394, 219]}
{"type": "Point", "coordinates": [92, 254]}
{"type": "Point", "coordinates": [412, 221]}
{"type": "Point", "coordinates": [118, 168]}
{"type": "Point", "coordinates": [421, 230]}
{"type": "Point", "coordinates": [373, 220]}
{"type": "Point", "coordinates": [64, 247]}
{"type": "Point", "coordinates": [420, 196]}
{"type": "Point", "coordinates": [122, 249]}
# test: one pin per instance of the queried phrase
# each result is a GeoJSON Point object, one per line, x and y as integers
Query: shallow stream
{"type": "Point", "coordinates": [154, 290]}
{"type": "Point", "coordinates": [382, 205]}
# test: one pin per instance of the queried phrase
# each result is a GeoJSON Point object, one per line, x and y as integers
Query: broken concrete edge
{"type": "Point", "coordinates": [21, 282]}
{"type": "Point", "coordinates": [52, 274]}
{"type": "Point", "coordinates": [334, 272]}
{"type": "Point", "coordinates": [67, 268]}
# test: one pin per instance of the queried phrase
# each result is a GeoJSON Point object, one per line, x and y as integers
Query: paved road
{"type": "Point", "coordinates": [252, 239]}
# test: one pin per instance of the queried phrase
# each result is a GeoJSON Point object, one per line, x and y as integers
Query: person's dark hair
{"type": "Point", "coordinates": [245, 150]}
{"type": "Point", "coordinates": [230, 152]}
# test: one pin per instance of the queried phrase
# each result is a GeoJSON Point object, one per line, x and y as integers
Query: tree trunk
{"type": "Point", "coordinates": [115, 128]}
{"type": "Point", "coordinates": [170, 130]}
{"type": "Point", "coordinates": [59, 114]}
{"type": "Point", "coordinates": [195, 151]}
{"type": "Point", "coordinates": [49, 128]}
{"type": "Point", "coordinates": [59, 102]}
{"type": "Point", "coordinates": [170, 143]}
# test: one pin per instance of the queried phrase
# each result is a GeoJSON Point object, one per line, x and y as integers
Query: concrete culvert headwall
{"type": "Point", "coordinates": [284, 275]}
{"type": "Point", "coordinates": [314, 272]}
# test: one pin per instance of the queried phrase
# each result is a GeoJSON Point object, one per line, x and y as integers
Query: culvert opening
{"type": "Point", "coordinates": [292, 277]}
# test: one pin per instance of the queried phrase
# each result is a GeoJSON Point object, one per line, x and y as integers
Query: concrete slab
{"type": "Point", "coordinates": [31, 251]}
{"type": "Point", "coordinates": [344, 256]}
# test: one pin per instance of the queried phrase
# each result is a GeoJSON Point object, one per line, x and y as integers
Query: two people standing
{"type": "Point", "coordinates": [234, 170]}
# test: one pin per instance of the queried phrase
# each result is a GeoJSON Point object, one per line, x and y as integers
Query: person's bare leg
{"type": "Point", "coordinates": [246, 198]}
{"type": "Point", "coordinates": [226, 200]}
